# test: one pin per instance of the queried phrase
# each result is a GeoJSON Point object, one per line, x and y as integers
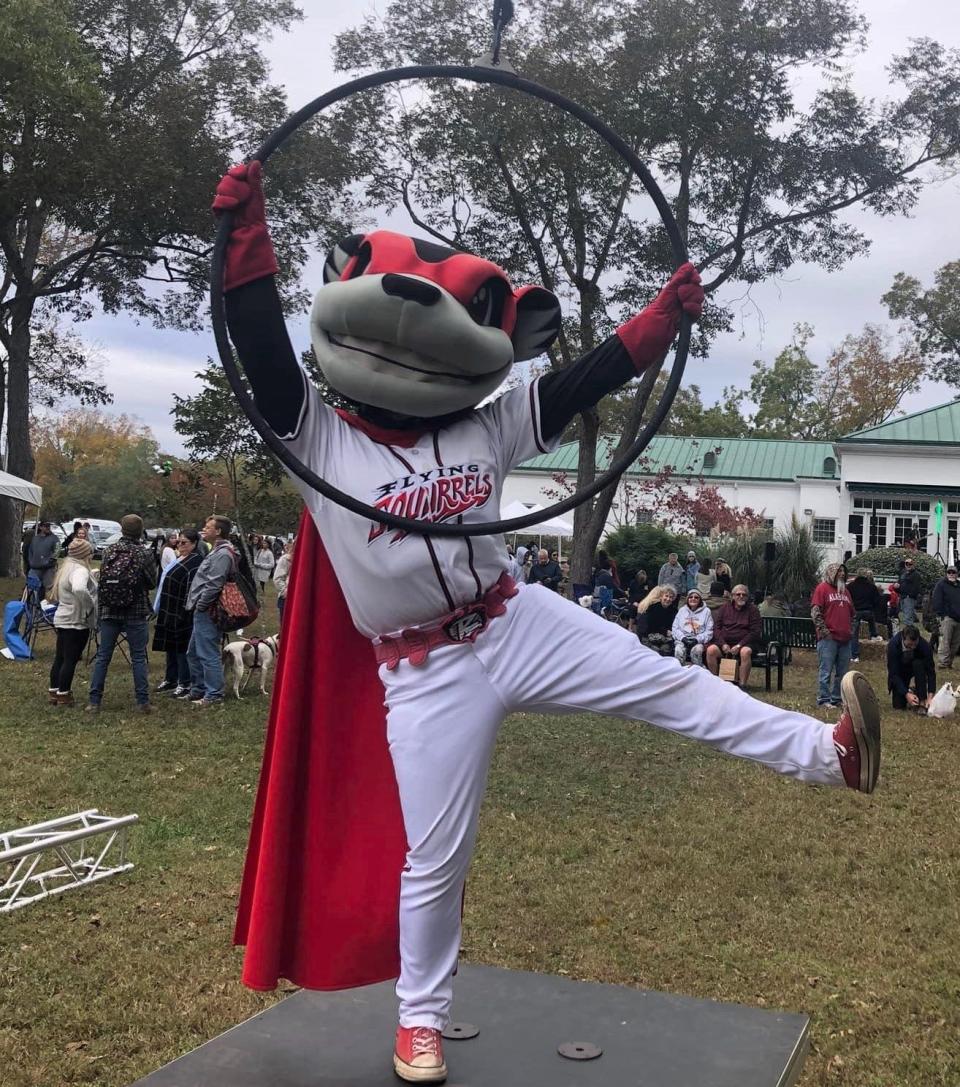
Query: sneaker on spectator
{"type": "Point", "coordinates": [179, 692]}
{"type": "Point", "coordinates": [854, 660]}
{"type": "Point", "coordinates": [418, 1055]}
{"type": "Point", "coordinates": [165, 686]}
{"type": "Point", "coordinates": [856, 736]}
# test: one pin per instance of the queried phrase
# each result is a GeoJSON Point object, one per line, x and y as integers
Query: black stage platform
{"type": "Point", "coordinates": [647, 1039]}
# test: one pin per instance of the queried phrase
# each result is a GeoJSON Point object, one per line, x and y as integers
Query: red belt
{"type": "Point", "coordinates": [462, 625]}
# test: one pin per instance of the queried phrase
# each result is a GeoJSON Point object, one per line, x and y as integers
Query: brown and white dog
{"type": "Point", "coordinates": [253, 654]}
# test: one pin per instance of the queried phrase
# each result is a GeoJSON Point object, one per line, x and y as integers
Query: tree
{"type": "Point", "coordinates": [703, 93]}
{"type": "Point", "coordinates": [116, 119]}
{"type": "Point", "coordinates": [932, 316]}
{"type": "Point", "coordinates": [784, 392]}
{"type": "Point", "coordinates": [63, 367]}
{"type": "Point", "coordinates": [89, 462]}
{"type": "Point", "coordinates": [215, 429]}
{"type": "Point", "coordinates": [687, 417]}
{"type": "Point", "coordinates": [861, 384]}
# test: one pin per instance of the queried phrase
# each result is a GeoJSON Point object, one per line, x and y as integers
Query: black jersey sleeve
{"type": "Point", "coordinates": [579, 386]}
{"type": "Point", "coordinates": [257, 328]}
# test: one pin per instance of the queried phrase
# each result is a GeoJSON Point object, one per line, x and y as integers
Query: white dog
{"type": "Point", "coordinates": [253, 654]}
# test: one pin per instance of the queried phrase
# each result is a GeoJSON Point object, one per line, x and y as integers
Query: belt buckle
{"type": "Point", "coordinates": [467, 625]}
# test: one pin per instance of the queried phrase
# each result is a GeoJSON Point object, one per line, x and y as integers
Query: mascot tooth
{"type": "Point", "coordinates": [402, 654]}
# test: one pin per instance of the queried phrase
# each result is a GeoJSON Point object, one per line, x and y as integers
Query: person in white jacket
{"type": "Point", "coordinates": [74, 591]}
{"type": "Point", "coordinates": [281, 575]}
{"type": "Point", "coordinates": [692, 629]}
{"type": "Point", "coordinates": [263, 563]}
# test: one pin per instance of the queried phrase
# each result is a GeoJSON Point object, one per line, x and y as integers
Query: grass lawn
{"type": "Point", "coordinates": [608, 852]}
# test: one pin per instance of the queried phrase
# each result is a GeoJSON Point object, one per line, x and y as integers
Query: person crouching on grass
{"type": "Point", "coordinates": [911, 675]}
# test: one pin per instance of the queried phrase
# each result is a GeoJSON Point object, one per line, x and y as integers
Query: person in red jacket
{"type": "Point", "coordinates": [736, 633]}
{"type": "Point", "coordinates": [832, 612]}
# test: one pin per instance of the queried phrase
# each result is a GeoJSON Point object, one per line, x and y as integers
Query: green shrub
{"type": "Point", "coordinates": [744, 554]}
{"type": "Point", "coordinates": [799, 559]}
{"type": "Point", "coordinates": [643, 547]}
{"type": "Point", "coordinates": [796, 567]}
{"type": "Point", "coordinates": [885, 563]}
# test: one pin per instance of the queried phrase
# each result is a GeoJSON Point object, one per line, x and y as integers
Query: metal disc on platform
{"type": "Point", "coordinates": [461, 1032]}
{"type": "Point", "coordinates": [579, 1051]}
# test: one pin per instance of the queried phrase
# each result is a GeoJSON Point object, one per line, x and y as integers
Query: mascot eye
{"type": "Point", "coordinates": [364, 256]}
{"type": "Point", "coordinates": [486, 306]}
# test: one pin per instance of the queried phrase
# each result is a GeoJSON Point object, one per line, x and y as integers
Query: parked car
{"type": "Point", "coordinates": [55, 528]}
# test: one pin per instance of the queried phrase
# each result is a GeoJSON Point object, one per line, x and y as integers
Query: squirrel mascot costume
{"type": "Point", "coordinates": [402, 654]}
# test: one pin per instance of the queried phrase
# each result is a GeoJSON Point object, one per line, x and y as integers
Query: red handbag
{"type": "Point", "coordinates": [236, 606]}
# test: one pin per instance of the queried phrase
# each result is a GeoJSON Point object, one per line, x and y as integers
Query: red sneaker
{"type": "Point", "coordinates": [857, 734]}
{"type": "Point", "coordinates": [418, 1056]}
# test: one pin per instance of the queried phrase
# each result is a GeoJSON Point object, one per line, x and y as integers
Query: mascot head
{"type": "Point", "coordinates": [420, 330]}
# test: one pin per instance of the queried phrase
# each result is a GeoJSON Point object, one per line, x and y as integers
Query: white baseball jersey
{"type": "Point", "coordinates": [392, 580]}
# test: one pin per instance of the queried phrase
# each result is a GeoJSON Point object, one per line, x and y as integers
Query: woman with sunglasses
{"type": "Point", "coordinates": [174, 622]}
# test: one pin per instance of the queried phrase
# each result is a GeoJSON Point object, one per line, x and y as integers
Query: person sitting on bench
{"type": "Point", "coordinates": [692, 629]}
{"type": "Point", "coordinates": [736, 633]}
{"type": "Point", "coordinates": [911, 674]}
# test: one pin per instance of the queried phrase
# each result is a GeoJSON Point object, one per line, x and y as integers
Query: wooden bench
{"type": "Point", "coordinates": [779, 634]}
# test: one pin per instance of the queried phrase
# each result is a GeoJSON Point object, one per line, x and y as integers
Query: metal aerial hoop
{"type": "Point", "coordinates": [492, 70]}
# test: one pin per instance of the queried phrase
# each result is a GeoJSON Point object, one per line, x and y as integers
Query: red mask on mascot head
{"type": "Point", "coordinates": [420, 330]}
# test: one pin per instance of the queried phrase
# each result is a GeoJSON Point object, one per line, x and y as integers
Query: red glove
{"type": "Point", "coordinates": [249, 253]}
{"type": "Point", "coordinates": [648, 335]}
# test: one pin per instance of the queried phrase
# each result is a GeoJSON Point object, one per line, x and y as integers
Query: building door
{"type": "Point", "coordinates": [948, 546]}
{"type": "Point", "coordinates": [878, 530]}
{"type": "Point", "coordinates": [855, 532]}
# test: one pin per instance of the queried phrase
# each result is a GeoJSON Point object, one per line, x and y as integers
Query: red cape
{"type": "Point", "coordinates": [321, 884]}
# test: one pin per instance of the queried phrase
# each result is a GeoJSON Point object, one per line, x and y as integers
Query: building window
{"type": "Point", "coordinates": [908, 505]}
{"type": "Point", "coordinates": [829, 466]}
{"type": "Point", "coordinates": [644, 517]}
{"type": "Point", "coordinates": [710, 459]}
{"type": "Point", "coordinates": [824, 530]}
{"type": "Point", "coordinates": [878, 531]}
{"type": "Point", "coordinates": [768, 527]}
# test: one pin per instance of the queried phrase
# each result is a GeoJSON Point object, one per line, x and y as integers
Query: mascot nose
{"type": "Point", "coordinates": [410, 290]}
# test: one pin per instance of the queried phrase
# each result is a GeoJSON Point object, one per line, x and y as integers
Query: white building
{"type": "Point", "coordinates": [865, 490]}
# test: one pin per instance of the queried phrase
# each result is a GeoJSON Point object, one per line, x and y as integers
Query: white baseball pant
{"type": "Point", "coordinates": [548, 655]}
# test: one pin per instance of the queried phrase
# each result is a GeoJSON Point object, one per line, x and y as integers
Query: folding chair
{"type": "Point", "coordinates": [36, 617]}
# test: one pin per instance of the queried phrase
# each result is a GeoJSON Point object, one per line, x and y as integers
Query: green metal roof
{"type": "Point", "coordinates": [935, 426]}
{"type": "Point", "coordinates": [736, 458]}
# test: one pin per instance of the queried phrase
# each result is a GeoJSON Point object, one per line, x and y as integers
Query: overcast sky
{"type": "Point", "coordinates": [143, 366]}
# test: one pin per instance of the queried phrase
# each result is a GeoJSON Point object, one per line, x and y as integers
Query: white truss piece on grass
{"type": "Point", "coordinates": [49, 858]}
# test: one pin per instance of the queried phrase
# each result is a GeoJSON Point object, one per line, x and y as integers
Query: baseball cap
{"type": "Point", "coordinates": [951, 569]}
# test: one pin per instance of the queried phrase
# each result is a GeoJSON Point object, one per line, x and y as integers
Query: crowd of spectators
{"type": "Point", "coordinates": [174, 579]}
{"type": "Point", "coordinates": [693, 612]}
{"type": "Point", "coordinates": [696, 614]}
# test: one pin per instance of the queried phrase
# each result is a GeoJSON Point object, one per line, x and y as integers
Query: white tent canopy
{"type": "Point", "coordinates": [553, 526]}
{"type": "Point", "coordinates": [20, 489]}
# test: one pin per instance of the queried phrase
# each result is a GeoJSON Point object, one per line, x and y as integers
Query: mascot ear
{"type": "Point", "coordinates": [339, 256]}
{"type": "Point", "coordinates": [538, 322]}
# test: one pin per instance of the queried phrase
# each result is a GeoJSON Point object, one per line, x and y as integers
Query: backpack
{"type": "Point", "coordinates": [120, 577]}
